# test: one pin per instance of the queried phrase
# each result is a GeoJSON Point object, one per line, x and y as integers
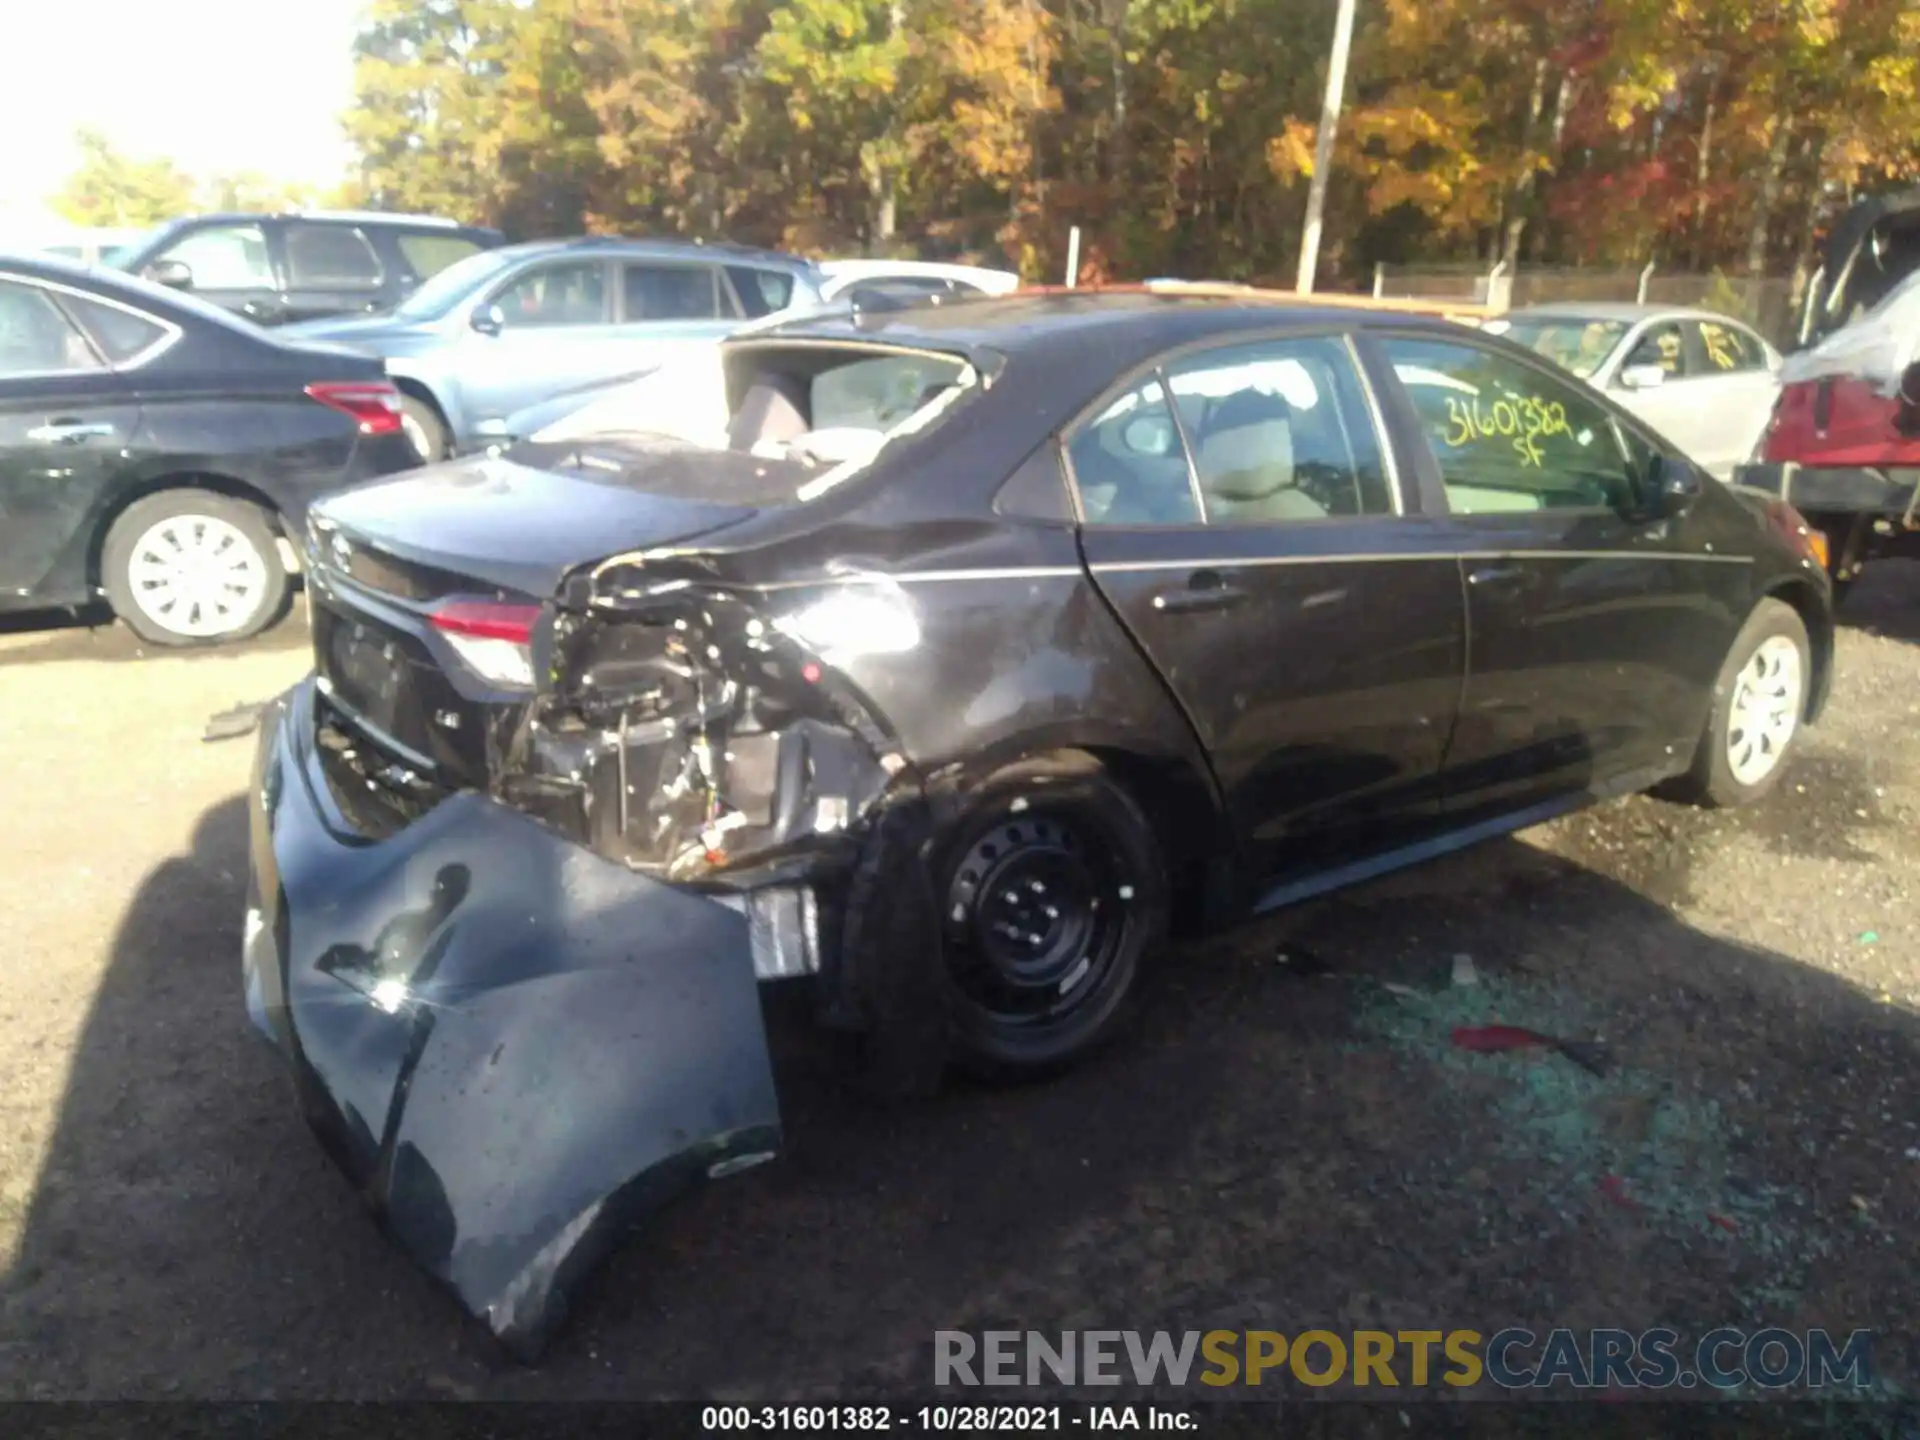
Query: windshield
{"type": "Point", "coordinates": [1572, 342]}
{"type": "Point", "coordinates": [120, 254]}
{"type": "Point", "coordinates": [457, 282]}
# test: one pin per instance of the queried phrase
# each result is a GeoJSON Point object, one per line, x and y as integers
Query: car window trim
{"type": "Point", "coordinates": [170, 331]}
{"type": "Point", "coordinates": [1137, 375]}
{"type": "Point", "coordinates": [379, 281]}
{"type": "Point", "coordinates": [1620, 418]}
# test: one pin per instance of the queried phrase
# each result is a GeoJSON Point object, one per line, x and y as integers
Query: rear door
{"type": "Point", "coordinates": [65, 420]}
{"type": "Point", "coordinates": [331, 269]}
{"type": "Point", "coordinates": [667, 309]}
{"type": "Point", "coordinates": [1241, 512]}
{"type": "Point", "coordinates": [1594, 629]}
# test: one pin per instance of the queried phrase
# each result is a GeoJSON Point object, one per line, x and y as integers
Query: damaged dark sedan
{"type": "Point", "coordinates": [956, 656]}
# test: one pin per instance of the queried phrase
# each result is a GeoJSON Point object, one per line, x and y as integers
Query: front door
{"type": "Point", "coordinates": [232, 266]}
{"type": "Point", "coordinates": [556, 332]}
{"type": "Point", "coordinates": [1241, 515]}
{"type": "Point", "coordinates": [64, 419]}
{"type": "Point", "coordinates": [1587, 616]}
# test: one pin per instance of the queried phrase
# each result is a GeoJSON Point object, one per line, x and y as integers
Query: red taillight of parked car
{"type": "Point", "coordinates": [375, 405]}
{"type": "Point", "coordinates": [493, 637]}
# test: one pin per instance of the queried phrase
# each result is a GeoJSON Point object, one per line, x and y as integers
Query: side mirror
{"type": "Point", "coordinates": [1678, 486]}
{"type": "Point", "coordinates": [1642, 377]}
{"type": "Point", "coordinates": [174, 274]}
{"type": "Point", "coordinates": [488, 319]}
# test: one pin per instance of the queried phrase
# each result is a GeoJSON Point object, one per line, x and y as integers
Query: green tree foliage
{"type": "Point", "coordinates": [109, 188]}
{"type": "Point", "coordinates": [1177, 133]}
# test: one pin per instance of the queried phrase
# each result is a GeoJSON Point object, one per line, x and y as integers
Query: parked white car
{"type": "Point", "coordinates": [1704, 381]}
{"type": "Point", "coordinates": [857, 279]}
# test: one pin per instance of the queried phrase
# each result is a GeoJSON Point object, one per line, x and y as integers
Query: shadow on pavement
{"type": "Point", "coordinates": [1882, 601]}
{"type": "Point", "coordinates": [42, 637]}
{"type": "Point", "coordinates": [1288, 1139]}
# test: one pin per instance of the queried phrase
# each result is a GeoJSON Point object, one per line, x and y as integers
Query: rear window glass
{"type": "Point", "coordinates": [877, 394]}
{"type": "Point", "coordinates": [761, 291]}
{"type": "Point", "coordinates": [427, 255]}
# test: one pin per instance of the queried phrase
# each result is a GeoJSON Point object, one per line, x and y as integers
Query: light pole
{"type": "Point", "coordinates": [1323, 145]}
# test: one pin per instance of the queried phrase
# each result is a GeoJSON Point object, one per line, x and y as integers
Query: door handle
{"type": "Point", "coordinates": [69, 432]}
{"type": "Point", "coordinates": [1204, 590]}
{"type": "Point", "coordinates": [1504, 577]}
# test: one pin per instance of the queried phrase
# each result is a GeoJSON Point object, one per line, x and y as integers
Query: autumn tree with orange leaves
{"type": "Point", "coordinates": [1177, 133]}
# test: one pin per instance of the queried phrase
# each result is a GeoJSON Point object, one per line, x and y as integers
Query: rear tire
{"type": "Point", "coordinates": [424, 427]}
{"type": "Point", "coordinates": [1759, 705]}
{"type": "Point", "coordinates": [1052, 893]}
{"type": "Point", "coordinates": [190, 567]}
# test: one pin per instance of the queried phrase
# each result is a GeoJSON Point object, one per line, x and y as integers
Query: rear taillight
{"type": "Point", "coordinates": [494, 637]}
{"type": "Point", "coordinates": [374, 404]}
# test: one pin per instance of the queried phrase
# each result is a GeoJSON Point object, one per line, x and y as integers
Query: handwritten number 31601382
{"type": "Point", "coordinates": [1522, 419]}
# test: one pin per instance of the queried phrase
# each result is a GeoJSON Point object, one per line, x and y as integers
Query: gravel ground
{"type": "Point", "coordinates": [1288, 1141]}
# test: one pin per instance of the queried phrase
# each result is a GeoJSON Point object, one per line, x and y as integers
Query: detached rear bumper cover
{"type": "Point", "coordinates": [511, 1045]}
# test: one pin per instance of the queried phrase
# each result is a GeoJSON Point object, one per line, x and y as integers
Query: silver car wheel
{"type": "Point", "coordinates": [1765, 711]}
{"type": "Point", "coordinates": [197, 576]}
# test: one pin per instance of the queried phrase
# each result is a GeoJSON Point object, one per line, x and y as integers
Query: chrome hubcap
{"type": "Point", "coordinates": [197, 575]}
{"type": "Point", "coordinates": [1765, 711]}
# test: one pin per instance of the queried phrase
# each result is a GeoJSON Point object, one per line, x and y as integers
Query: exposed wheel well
{"type": "Point", "coordinates": [1806, 603]}
{"type": "Point", "coordinates": [1180, 804]}
{"type": "Point", "coordinates": [214, 484]}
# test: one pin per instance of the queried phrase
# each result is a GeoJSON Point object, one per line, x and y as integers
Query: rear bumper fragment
{"type": "Point", "coordinates": [511, 1045]}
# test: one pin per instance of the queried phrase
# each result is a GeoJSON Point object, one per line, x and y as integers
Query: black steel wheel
{"type": "Point", "coordinates": [1051, 893]}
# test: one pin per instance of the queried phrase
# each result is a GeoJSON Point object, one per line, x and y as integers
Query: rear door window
{"type": "Point", "coordinates": [1280, 431]}
{"type": "Point", "coordinates": [427, 253]}
{"type": "Point", "coordinates": [330, 257]}
{"type": "Point", "coordinates": [671, 292]}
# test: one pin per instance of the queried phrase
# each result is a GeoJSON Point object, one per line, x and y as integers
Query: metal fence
{"type": "Point", "coordinates": [1770, 305]}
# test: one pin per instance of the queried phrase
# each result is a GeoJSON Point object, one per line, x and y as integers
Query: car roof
{"type": "Point", "coordinates": [1039, 317]}
{"type": "Point", "coordinates": [616, 245]}
{"type": "Point", "coordinates": [1112, 323]}
{"type": "Point", "coordinates": [1626, 311]}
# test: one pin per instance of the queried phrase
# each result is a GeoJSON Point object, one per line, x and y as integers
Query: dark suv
{"type": "Point", "coordinates": [279, 268]}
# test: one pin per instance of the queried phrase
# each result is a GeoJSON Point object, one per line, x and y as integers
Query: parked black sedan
{"type": "Point", "coordinates": [153, 449]}
{"type": "Point", "coordinates": [996, 639]}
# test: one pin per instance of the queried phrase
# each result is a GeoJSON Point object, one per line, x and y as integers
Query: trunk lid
{"type": "Point", "coordinates": [521, 524]}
